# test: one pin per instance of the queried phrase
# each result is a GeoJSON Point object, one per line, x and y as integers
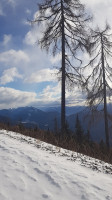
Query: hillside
{"type": "Point", "coordinates": [31, 116]}
{"type": "Point", "coordinates": [44, 119]}
{"type": "Point", "coordinates": [31, 169]}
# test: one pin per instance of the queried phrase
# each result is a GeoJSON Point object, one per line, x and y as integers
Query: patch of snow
{"type": "Point", "coordinates": [34, 170]}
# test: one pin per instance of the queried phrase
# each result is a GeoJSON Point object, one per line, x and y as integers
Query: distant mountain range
{"type": "Point", "coordinates": [45, 118]}
{"type": "Point", "coordinates": [69, 110]}
{"type": "Point", "coordinates": [30, 116]}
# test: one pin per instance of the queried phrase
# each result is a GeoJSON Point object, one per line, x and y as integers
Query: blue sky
{"type": "Point", "coordinates": [26, 72]}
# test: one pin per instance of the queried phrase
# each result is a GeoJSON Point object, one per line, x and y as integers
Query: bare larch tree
{"type": "Point", "coordinates": [99, 81]}
{"type": "Point", "coordinates": [65, 22]}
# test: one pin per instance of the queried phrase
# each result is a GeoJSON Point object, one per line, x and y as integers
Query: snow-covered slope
{"type": "Point", "coordinates": [33, 170]}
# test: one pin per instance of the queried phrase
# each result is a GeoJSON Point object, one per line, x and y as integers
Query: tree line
{"type": "Point", "coordinates": [67, 31]}
{"type": "Point", "coordinates": [78, 142]}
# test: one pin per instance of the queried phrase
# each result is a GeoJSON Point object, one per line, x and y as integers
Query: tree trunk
{"type": "Point", "coordinates": [105, 100]}
{"type": "Point", "coordinates": [63, 74]}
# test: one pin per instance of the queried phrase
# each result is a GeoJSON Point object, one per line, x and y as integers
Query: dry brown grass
{"type": "Point", "coordinates": [65, 141]}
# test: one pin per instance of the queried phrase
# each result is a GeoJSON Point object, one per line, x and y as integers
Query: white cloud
{"type": "Point", "coordinates": [36, 65]}
{"type": "Point", "coordinates": [7, 39]}
{"type": "Point", "coordinates": [51, 93]}
{"type": "Point", "coordinates": [28, 11]}
{"type": "Point", "coordinates": [1, 11]}
{"type": "Point", "coordinates": [35, 33]}
{"type": "Point", "coordinates": [55, 59]}
{"type": "Point", "coordinates": [13, 57]}
{"type": "Point", "coordinates": [40, 61]}
{"type": "Point", "coordinates": [92, 2]}
{"type": "Point", "coordinates": [33, 36]}
{"type": "Point", "coordinates": [50, 96]}
{"type": "Point", "coordinates": [97, 2]}
{"type": "Point", "coordinates": [11, 98]}
{"type": "Point", "coordinates": [9, 75]}
{"type": "Point", "coordinates": [75, 97]}
{"type": "Point", "coordinates": [12, 3]}
{"type": "Point", "coordinates": [101, 10]}
{"type": "Point", "coordinates": [4, 3]}
{"type": "Point", "coordinates": [25, 22]}
{"type": "Point", "coordinates": [42, 76]}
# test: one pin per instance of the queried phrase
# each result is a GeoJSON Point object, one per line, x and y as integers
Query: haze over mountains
{"type": "Point", "coordinates": [45, 118]}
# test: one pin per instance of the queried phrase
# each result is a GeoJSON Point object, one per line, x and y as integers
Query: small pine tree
{"type": "Point", "coordinates": [55, 125]}
{"type": "Point", "coordinates": [102, 146]}
{"type": "Point", "coordinates": [87, 136]}
{"type": "Point", "coordinates": [78, 130]}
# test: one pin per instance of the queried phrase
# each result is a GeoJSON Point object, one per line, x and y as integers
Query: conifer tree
{"type": "Point", "coordinates": [55, 125]}
{"type": "Point", "coordinates": [78, 130]}
{"type": "Point", "coordinates": [65, 22]}
{"type": "Point", "coordinates": [98, 83]}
